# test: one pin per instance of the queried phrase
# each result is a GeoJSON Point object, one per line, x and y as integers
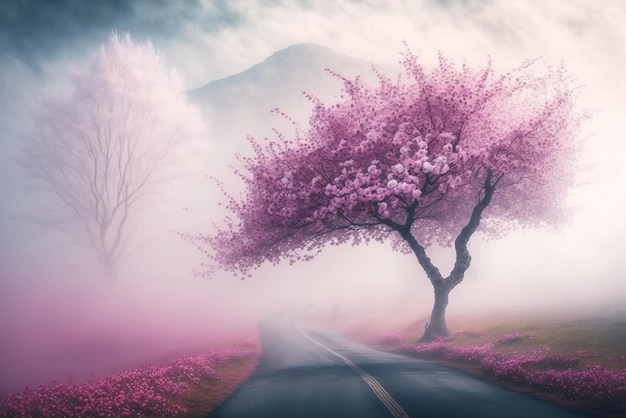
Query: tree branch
{"type": "Point", "coordinates": [463, 258]}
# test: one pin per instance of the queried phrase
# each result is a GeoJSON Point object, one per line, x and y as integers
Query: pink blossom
{"type": "Point", "coordinates": [146, 391]}
{"type": "Point", "coordinates": [481, 153]}
{"type": "Point", "coordinates": [539, 368]}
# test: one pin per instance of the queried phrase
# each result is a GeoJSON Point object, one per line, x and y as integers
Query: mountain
{"type": "Point", "coordinates": [281, 78]}
{"type": "Point", "coordinates": [240, 105]}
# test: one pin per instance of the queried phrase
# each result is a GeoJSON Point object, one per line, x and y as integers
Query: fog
{"type": "Point", "coordinates": [60, 316]}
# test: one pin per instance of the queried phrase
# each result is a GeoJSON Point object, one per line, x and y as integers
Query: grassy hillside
{"type": "Point", "coordinates": [603, 334]}
{"type": "Point", "coordinates": [574, 359]}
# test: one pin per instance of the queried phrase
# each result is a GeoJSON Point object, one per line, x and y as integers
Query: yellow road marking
{"type": "Point", "coordinates": [380, 392]}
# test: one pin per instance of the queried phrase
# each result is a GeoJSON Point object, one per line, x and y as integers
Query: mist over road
{"type": "Point", "coordinates": [306, 372]}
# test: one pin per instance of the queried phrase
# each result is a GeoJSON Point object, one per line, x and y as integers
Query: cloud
{"type": "Point", "coordinates": [209, 39]}
{"type": "Point", "coordinates": [248, 31]}
{"type": "Point", "coordinates": [33, 29]}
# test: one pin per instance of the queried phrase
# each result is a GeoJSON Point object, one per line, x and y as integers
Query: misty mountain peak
{"type": "Point", "coordinates": [242, 102]}
{"type": "Point", "coordinates": [309, 51]}
{"type": "Point", "coordinates": [280, 78]}
{"type": "Point", "coordinates": [293, 64]}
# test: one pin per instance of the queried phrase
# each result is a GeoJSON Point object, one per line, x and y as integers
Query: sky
{"type": "Point", "coordinates": [208, 40]}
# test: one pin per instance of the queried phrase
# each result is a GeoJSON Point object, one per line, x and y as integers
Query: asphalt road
{"type": "Point", "coordinates": [312, 373]}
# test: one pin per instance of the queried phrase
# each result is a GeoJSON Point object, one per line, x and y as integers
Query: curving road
{"type": "Point", "coordinates": [312, 373]}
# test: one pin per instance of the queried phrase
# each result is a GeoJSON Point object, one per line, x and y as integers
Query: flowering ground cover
{"type": "Point", "coordinates": [600, 387]}
{"type": "Point", "coordinates": [182, 387]}
{"type": "Point", "coordinates": [579, 362]}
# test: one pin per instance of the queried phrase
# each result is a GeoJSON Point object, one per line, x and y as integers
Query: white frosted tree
{"type": "Point", "coordinates": [101, 147]}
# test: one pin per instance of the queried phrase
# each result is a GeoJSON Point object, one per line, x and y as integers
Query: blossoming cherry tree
{"type": "Point", "coordinates": [427, 159]}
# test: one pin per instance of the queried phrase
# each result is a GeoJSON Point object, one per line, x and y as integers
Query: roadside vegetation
{"type": "Point", "coordinates": [181, 387]}
{"type": "Point", "coordinates": [579, 362]}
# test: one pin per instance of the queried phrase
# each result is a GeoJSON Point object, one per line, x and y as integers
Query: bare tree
{"type": "Point", "coordinates": [103, 146]}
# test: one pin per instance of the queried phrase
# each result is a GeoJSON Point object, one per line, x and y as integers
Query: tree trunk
{"type": "Point", "coordinates": [437, 326]}
{"type": "Point", "coordinates": [110, 267]}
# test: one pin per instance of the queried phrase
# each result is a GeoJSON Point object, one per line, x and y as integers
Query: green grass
{"type": "Point", "coordinates": [601, 333]}
{"type": "Point", "coordinates": [604, 335]}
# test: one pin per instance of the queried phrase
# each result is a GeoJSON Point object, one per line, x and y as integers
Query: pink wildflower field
{"type": "Point", "coordinates": [152, 390]}
{"type": "Point", "coordinates": [540, 369]}
{"type": "Point", "coordinates": [577, 360]}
